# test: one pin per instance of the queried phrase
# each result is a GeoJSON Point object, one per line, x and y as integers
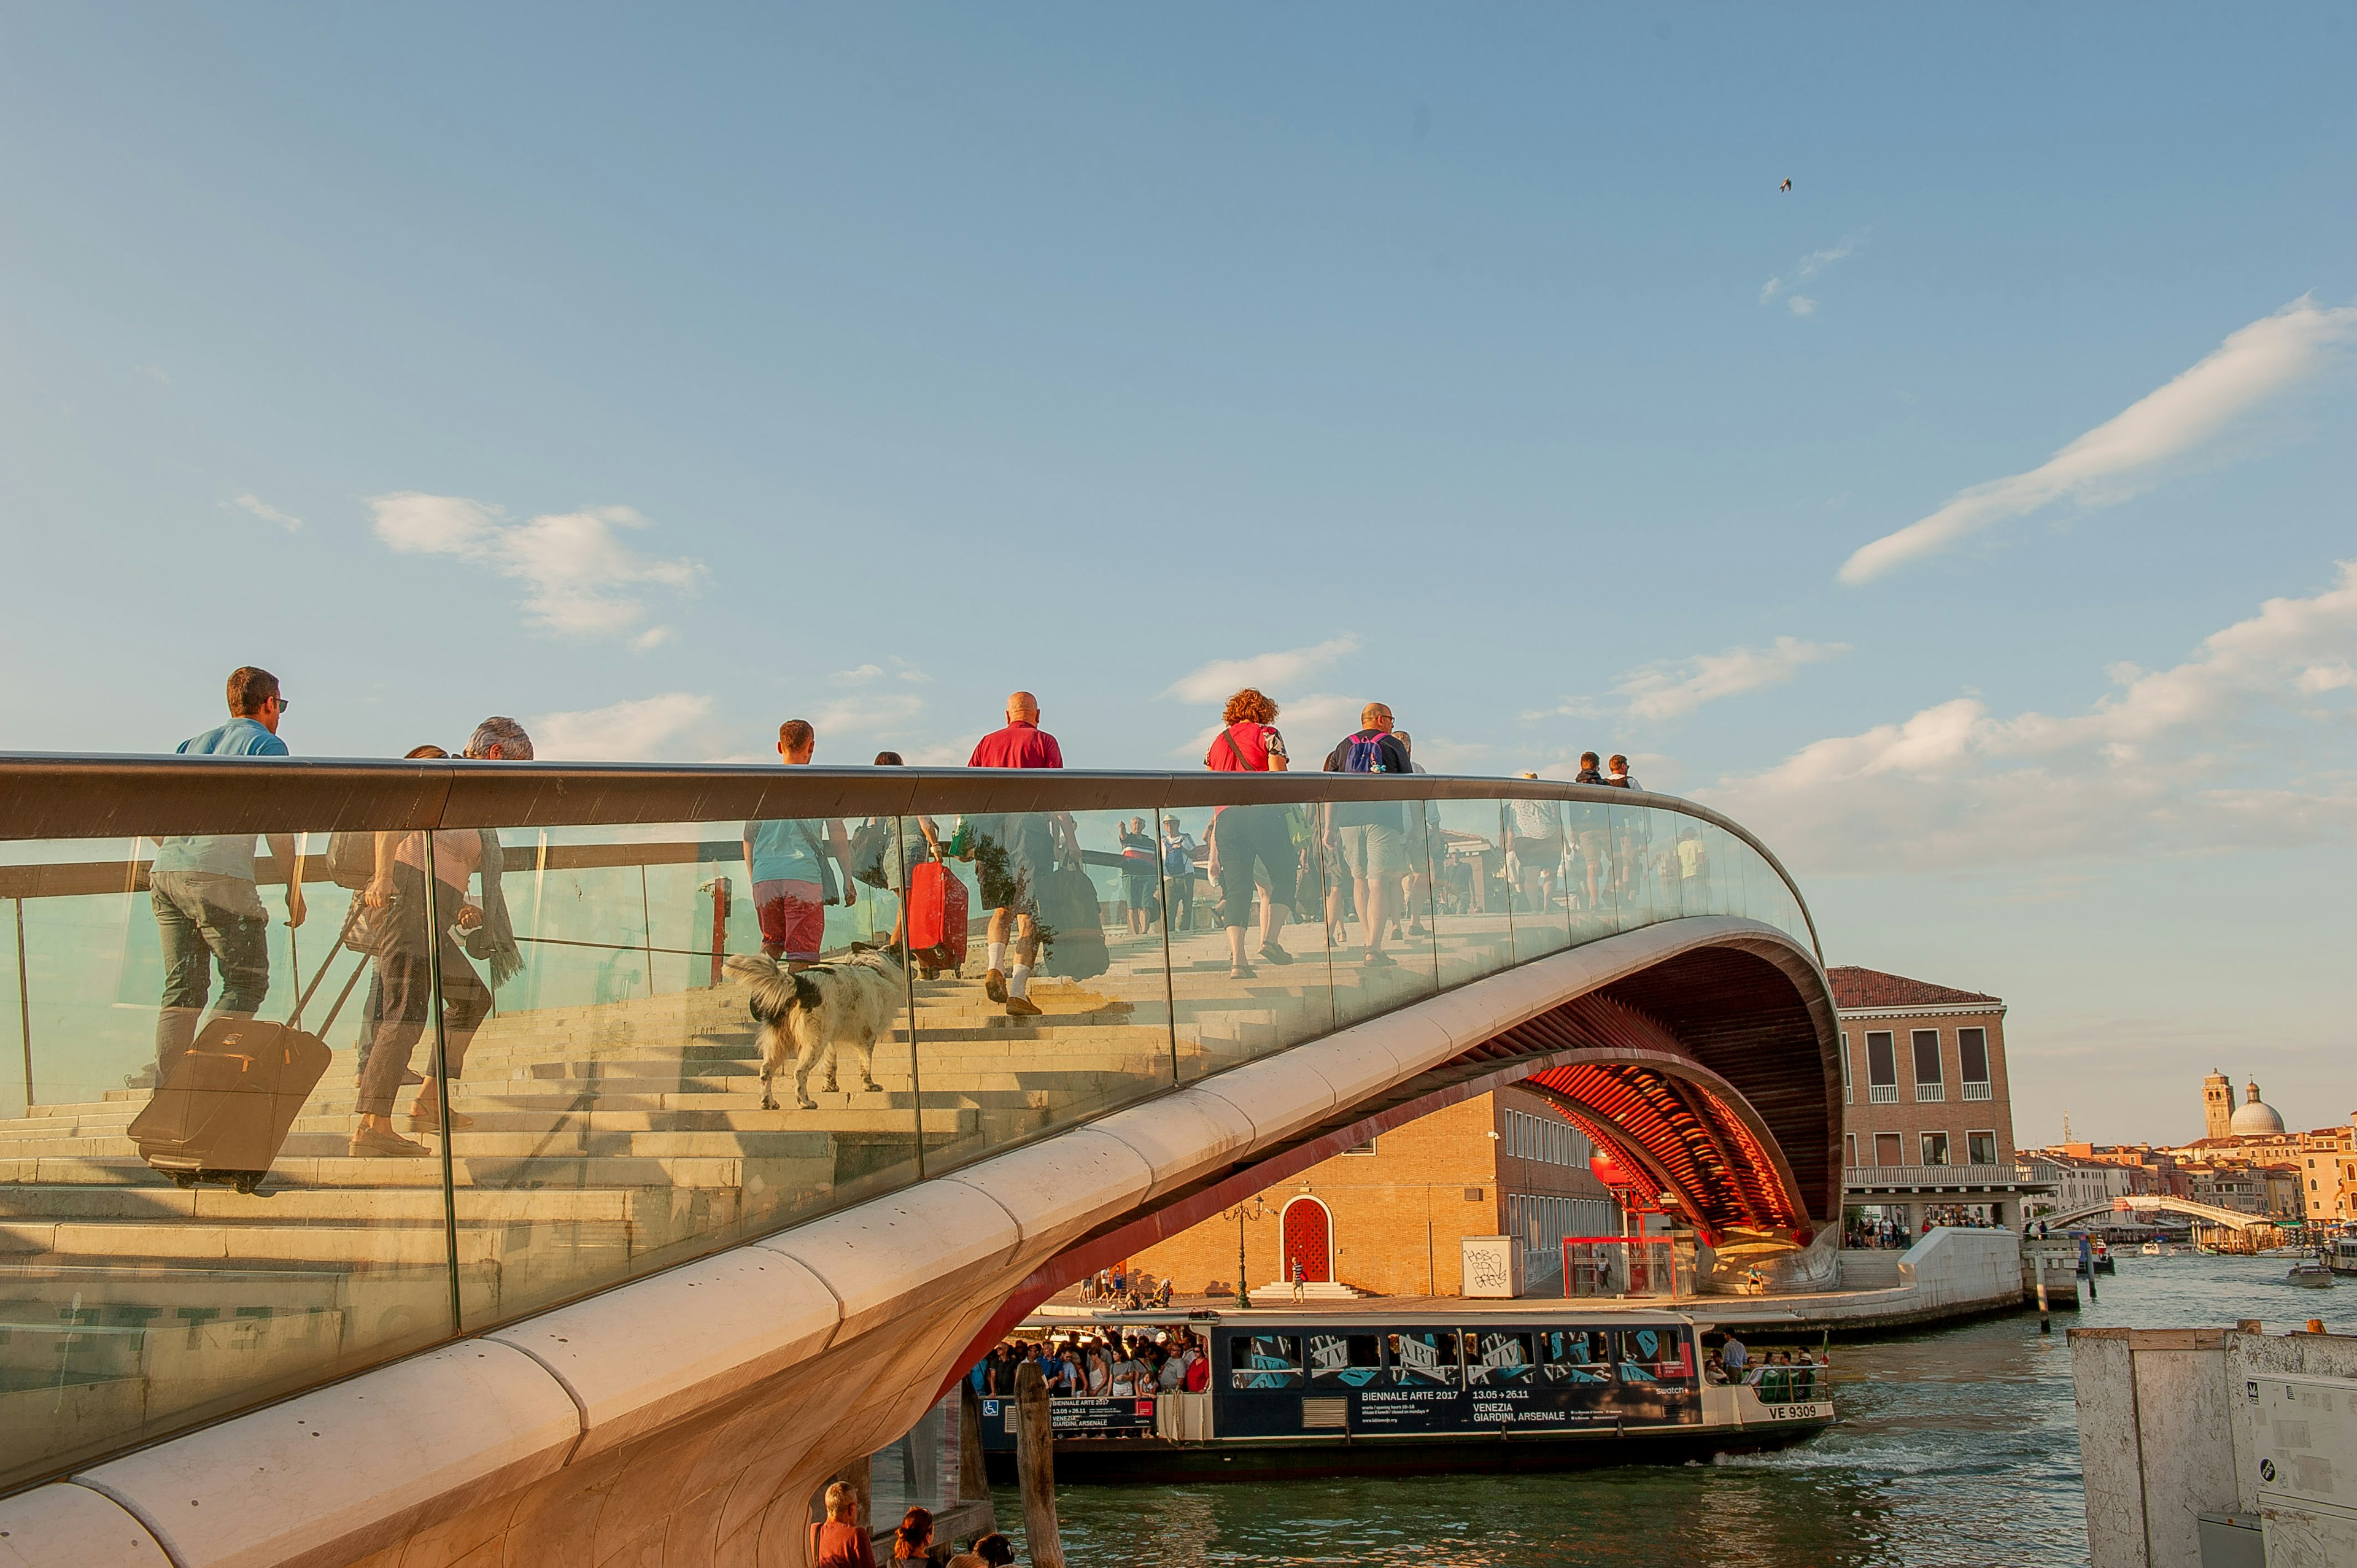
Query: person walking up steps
{"type": "Point", "coordinates": [1014, 855]}
{"type": "Point", "coordinates": [786, 862]}
{"type": "Point", "coordinates": [202, 890]}
{"type": "Point", "coordinates": [1371, 834]}
{"type": "Point", "coordinates": [1241, 834]}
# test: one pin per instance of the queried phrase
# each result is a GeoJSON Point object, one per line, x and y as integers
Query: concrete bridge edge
{"type": "Point", "coordinates": [685, 1418]}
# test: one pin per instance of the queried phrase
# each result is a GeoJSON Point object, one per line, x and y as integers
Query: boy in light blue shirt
{"type": "Point", "coordinates": [786, 862]}
{"type": "Point", "coordinates": [203, 890]}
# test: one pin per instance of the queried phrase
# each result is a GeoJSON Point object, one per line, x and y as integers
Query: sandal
{"type": "Point", "coordinates": [1377, 960]}
{"type": "Point", "coordinates": [1243, 972]}
{"type": "Point", "coordinates": [1275, 954]}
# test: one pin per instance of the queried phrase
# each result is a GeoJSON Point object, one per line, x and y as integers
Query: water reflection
{"type": "Point", "coordinates": [1955, 1448]}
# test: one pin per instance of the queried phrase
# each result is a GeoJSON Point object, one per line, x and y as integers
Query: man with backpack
{"type": "Point", "coordinates": [202, 889]}
{"type": "Point", "coordinates": [1177, 877]}
{"type": "Point", "coordinates": [1371, 835]}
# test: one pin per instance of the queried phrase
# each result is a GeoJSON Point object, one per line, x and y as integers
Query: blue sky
{"type": "Point", "coordinates": [659, 376]}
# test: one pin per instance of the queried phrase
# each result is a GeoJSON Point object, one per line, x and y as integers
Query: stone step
{"type": "Point", "coordinates": [470, 1168]}
{"type": "Point", "coordinates": [398, 1205]}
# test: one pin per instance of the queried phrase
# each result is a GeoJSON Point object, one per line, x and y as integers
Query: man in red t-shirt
{"type": "Point", "coordinates": [1014, 854]}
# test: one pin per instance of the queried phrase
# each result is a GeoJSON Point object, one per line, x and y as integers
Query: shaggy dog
{"type": "Point", "coordinates": [811, 1015]}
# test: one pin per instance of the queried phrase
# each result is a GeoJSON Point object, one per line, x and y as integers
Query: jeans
{"type": "Point", "coordinates": [400, 1009]}
{"type": "Point", "coordinates": [204, 916]}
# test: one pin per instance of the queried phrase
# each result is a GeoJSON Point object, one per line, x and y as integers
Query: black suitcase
{"type": "Point", "coordinates": [1073, 926]}
{"type": "Point", "coordinates": [223, 1110]}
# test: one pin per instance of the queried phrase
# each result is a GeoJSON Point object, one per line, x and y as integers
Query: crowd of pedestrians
{"type": "Point", "coordinates": [1099, 1363]}
{"type": "Point", "coordinates": [205, 889]}
{"type": "Point", "coordinates": [1782, 1377]}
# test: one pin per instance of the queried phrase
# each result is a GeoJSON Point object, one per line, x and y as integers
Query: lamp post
{"type": "Point", "coordinates": [1243, 1214]}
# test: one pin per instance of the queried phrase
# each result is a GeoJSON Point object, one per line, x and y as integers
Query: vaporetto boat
{"type": "Point", "coordinates": [1477, 1388]}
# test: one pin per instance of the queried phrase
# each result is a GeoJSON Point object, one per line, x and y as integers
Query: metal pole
{"type": "Point", "coordinates": [1243, 1291]}
{"type": "Point", "coordinates": [23, 1007]}
{"type": "Point", "coordinates": [646, 930]}
{"type": "Point", "coordinates": [434, 929]}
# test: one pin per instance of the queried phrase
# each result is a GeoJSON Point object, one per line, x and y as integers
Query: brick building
{"type": "Point", "coordinates": [1392, 1217]}
{"type": "Point", "coordinates": [1927, 1117]}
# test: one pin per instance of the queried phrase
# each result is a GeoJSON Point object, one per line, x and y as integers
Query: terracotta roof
{"type": "Point", "coordinates": [1856, 987]}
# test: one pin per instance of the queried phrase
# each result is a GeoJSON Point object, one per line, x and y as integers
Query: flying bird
{"type": "Point", "coordinates": [1786, 185]}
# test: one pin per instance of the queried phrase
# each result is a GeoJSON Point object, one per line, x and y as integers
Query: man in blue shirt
{"type": "Point", "coordinates": [203, 890]}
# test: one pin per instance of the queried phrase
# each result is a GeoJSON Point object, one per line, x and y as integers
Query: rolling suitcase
{"type": "Point", "coordinates": [1072, 924]}
{"type": "Point", "coordinates": [223, 1110]}
{"type": "Point", "coordinates": [936, 906]}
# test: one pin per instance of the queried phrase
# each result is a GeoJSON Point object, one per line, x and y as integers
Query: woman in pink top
{"type": "Point", "coordinates": [1243, 834]}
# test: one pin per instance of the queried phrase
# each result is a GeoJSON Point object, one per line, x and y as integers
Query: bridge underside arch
{"type": "Point", "coordinates": [1713, 1071]}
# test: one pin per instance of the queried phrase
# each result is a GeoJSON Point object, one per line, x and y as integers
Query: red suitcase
{"type": "Point", "coordinates": [937, 903]}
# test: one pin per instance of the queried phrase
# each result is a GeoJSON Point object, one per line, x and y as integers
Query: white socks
{"type": "Point", "coordinates": [1019, 980]}
{"type": "Point", "coordinates": [998, 955]}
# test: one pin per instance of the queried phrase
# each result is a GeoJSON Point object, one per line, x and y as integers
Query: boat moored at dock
{"type": "Point", "coordinates": [1483, 1387]}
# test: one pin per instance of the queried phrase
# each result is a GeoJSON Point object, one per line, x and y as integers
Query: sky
{"type": "Point", "coordinates": [1972, 519]}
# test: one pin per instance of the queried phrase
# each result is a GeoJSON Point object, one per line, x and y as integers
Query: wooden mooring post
{"type": "Point", "coordinates": [1035, 1467]}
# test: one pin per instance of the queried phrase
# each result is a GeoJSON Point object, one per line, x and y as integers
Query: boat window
{"type": "Point", "coordinates": [1574, 1355]}
{"type": "Point", "coordinates": [1425, 1358]}
{"type": "Point", "coordinates": [1653, 1355]}
{"type": "Point", "coordinates": [1264, 1361]}
{"type": "Point", "coordinates": [1345, 1360]}
{"type": "Point", "coordinates": [1495, 1360]}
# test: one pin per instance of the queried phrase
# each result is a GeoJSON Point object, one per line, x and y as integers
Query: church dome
{"type": "Point", "coordinates": [2256, 1118]}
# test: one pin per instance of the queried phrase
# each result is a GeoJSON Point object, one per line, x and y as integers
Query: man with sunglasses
{"type": "Point", "coordinates": [208, 908]}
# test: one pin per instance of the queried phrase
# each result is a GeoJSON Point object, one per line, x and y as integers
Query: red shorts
{"type": "Point", "coordinates": [793, 918]}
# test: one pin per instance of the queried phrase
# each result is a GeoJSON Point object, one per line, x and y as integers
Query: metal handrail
{"type": "Point", "coordinates": [83, 797]}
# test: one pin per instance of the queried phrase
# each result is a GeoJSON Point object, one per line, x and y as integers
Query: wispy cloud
{"type": "Point", "coordinates": [580, 579]}
{"type": "Point", "coordinates": [667, 728]}
{"type": "Point", "coordinates": [1785, 284]}
{"type": "Point", "coordinates": [2248, 741]}
{"type": "Point", "coordinates": [865, 674]}
{"type": "Point", "coordinates": [1216, 679]}
{"type": "Point", "coordinates": [1672, 688]}
{"type": "Point", "coordinates": [265, 512]}
{"type": "Point", "coordinates": [2140, 446]}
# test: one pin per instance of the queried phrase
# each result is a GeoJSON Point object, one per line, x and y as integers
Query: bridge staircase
{"type": "Point", "coordinates": [606, 1140]}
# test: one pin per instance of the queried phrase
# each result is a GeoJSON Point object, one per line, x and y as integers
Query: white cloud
{"type": "Point", "coordinates": [653, 637]}
{"type": "Point", "coordinates": [1312, 727]}
{"type": "Point", "coordinates": [580, 579]}
{"type": "Point", "coordinates": [647, 729]}
{"type": "Point", "coordinates": [878, 713]}
{"type": "Point", "coordinates": [862, 674]}
{"type": "Point", "coordinates": [2245, 743]}
{"type": "Point", "coordinates": [1216, 680]}
{"type": "Point", "coordinates": [2140, 446]}
{"type": "Point", "coordinates": [265, 512]}
{"type": "Point", "coordinates": [1671, 690]}
{"type": "Point", "coordinates": [1804, 269]}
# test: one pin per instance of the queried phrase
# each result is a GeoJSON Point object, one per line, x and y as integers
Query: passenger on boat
{"type": "Point", "coordinates": [1732, 1358]}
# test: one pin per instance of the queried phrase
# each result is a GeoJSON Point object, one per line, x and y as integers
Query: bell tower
{"type": "Point", "coordinates": [2217, 1105]}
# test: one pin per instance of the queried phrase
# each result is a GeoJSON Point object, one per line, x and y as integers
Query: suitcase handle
{"type": "Point", "coordinates": [295, 1019]}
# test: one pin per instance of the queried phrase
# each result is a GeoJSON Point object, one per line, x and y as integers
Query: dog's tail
{"type": "Point", "coordinates": [752, 966]}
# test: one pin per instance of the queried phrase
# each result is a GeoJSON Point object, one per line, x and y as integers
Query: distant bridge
{"type": "Point", "coordinates": [2148, 1203]}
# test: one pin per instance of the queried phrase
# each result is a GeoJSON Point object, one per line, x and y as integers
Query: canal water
{"type": "Point", "coordinates": [1955, 1447]}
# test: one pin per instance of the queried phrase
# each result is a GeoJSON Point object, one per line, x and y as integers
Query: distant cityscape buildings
{"type": "Point", "coordinates": [2247, 1160]}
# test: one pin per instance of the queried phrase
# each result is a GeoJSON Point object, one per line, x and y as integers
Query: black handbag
{"type": "Point", "coordinates": [871, 853]}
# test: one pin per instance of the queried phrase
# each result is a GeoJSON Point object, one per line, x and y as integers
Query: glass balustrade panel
{"type": "Point", "coordinates": [1061, 1009]}
{"type": "Point", "coordinates": [687, 1043]}
{"type": "Point", "coordinates": [1382, 938]}
{"type": "Point", "coordinates": [1472, 918]}
{"type": "Point", "coordinates": [192, 1224]}
{"type": "Point", "coordinates": [1593, 908]}
{"type": "Point", "coordinates": [1664, 876]}
{"type": "Point", "coordinates": [1254, 975]}
{"type": "Point", "coordinates": [1631, 869]}
{"type": "Point", "coordinates": [1539, 860]}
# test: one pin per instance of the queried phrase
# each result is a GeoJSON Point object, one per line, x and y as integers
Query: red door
{"type": "Point", "coordinates": [1308, 1241]}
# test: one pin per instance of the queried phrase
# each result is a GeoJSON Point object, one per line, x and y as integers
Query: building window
{"type": "Point", "coordinates": [1849, 1148]}
{"type": "Point", "coordinates": [1972, 1056]}
{"type": "Point", "coordinates": [1935, 1148]}
{"type": "Point", "coordinates": [1980, 1148]}
{"type": "Point", "coordinates": [1881, 1069]}
{"type": "Point", "coordinates": [1366, 1148]}
{"type": "Point", "coordinates": [1886, 1148]}
{"type": "Point", "coordinates": [1845, 1057]}
{"type": "Point", "coordinates": [1929, 1084]}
